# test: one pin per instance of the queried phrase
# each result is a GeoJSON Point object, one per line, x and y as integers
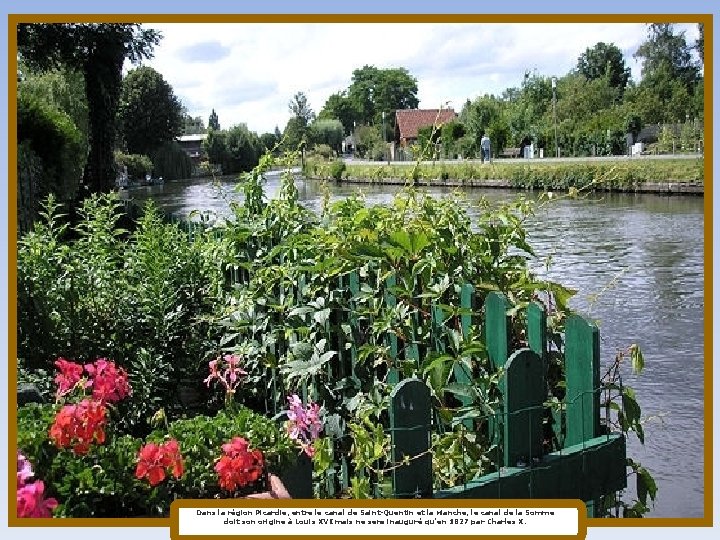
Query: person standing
{"type": "Point", "coordinates": [485, 148]}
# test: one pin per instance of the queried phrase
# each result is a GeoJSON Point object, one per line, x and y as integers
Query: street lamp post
{"type": "Point", "coordinates": [554, 86]}
{"type": "Point", "coordinates": [384, 136]}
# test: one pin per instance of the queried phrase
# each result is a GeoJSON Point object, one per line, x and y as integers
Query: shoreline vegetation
{"type": "Point", "coordinates": [664, 176]}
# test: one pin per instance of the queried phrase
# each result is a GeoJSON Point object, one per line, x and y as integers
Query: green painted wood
{"type": "Point", "coordinates": [391, 340]}
{"type": "Point", "coordinates": [410, 437]}
{"type": "Point", "coordinates": [537, 329]}
{"type": "Point", "coordinates": [524, 394]}
{"type": "Point", "coordinates": [496, 339]}
{"type": "Point", "coordinates": [585, 471]}
{"type": "Point", "coordinates": [436, 328]}
{"type": "Point", "coordinates": [496, 328]}
{"type": "Point", "coordinates": [582, 373]}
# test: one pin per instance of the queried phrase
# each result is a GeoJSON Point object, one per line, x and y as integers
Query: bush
{"type": "Point", "coordinates": [201, 437]}
{"type": "Point", "coordinates": [139, 302]}
{"type": "Point", "coordinates": [337, 168]}
{"type": "Point", "coordinates": [55, 139]}
{"type": "Point", "coordinates": [137, 165]}
{"type": "Point", "coordinates": [324, 151]}
{"type": "Point", "coordinates": [172, 162]}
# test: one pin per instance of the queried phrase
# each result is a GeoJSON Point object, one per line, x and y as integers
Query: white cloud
{"type": "Point", "coordinates": [253, 69]}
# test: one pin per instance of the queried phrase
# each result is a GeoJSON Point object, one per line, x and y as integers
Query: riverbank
{"type": "Point", "coordinates": [666, 176]}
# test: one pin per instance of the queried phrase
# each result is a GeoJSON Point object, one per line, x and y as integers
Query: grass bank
{"type": "Point", "coordinates": [621, 175]}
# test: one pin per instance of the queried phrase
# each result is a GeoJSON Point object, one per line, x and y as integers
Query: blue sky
{"type": "Point", "coordinates": [249, 72]}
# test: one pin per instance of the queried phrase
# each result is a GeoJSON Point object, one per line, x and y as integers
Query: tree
{"type": "Point", "coordinates": [374, 91]}
{"type": "Point", "coordinates": [149, 112]}
{"type": "Point", "coordinates": [64, 90]}
{"type": "Point", "coordinates": [328, 132]}
{"type": "Point", "coordinates": [213, 122]}
{"type": "Point", "coordinates": [216, 148]}
{"type": "Point", "coordinates": [700, 42]}
{"type": "Point", "coordinates": [294, 134]}
{"type": "Point", "coordinates": [98, 50]}
{"type": "Point", "coordinates": [193, 125]}
{"type": "Point", "coordinates": [666, 55]}
{"type": "Point", "coordinates": [243, 148]}
{"type": "Point", "coordinates": [338, 106]}
{"type": "Point", "coordinates": [604, 61]}
{"type": "Point", "coordinates": [301, 110]}
{"type": "Point", "coordinates": [268, 140]}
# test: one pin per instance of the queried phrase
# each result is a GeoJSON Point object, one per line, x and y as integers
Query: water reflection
{"type": "Point", "coordinates": [638, 264]}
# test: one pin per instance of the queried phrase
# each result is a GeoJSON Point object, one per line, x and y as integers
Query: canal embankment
{"type": "Point", "coordinates": [670, 176]}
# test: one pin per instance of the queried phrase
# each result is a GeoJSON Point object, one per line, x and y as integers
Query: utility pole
{"type": "Point", "coordinates": [554, 86]}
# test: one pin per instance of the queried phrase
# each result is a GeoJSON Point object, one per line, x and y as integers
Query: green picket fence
{"type": "Point", "coordinates": [590, 462]}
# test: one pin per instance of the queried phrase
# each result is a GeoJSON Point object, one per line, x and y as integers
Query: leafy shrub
{"type": "Point", "coordinates": [201, 437]}
{"type": "Point", "coordinates": [137, 165]}
{"type": "Point", "coordinates": [138, 299]}
{"type": "Point", "coordinates": [323, 150]}
{"type": "Point", "coordinates": [172, 162]}
{"type": "Point", "coordinates": [53, 137]}
{"type": "Point", "coordinates": [337, 168]}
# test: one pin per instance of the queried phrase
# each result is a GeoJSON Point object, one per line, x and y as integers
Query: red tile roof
{"type": "Point", "coordinates": [409, 121]}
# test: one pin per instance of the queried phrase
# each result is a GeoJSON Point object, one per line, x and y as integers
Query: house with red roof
{"type": "Point", "coordinates": [409, 121]}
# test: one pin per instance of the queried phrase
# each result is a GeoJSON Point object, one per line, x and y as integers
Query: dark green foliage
{"type": "Point", "coordinates": [149, 113]}
{"type": "Point", "coordinates": [604, 60]}
{"type": "Point", "coordinates": [138, 303]}
{"type": "Point", "coordinates": [55, 139]}
{"type": "Point", "coordinates": [137, 165]}
{"type": "Point", "coordinates": [99, 51]}
{"type": "Point", "coordinates": [337, 168]}
{"type": "Point", "coordinates": [213, 121]}
{"type": "Point", "coordinates": [201, 437]}
{"type": "Point", "coordinates": [171, 162]}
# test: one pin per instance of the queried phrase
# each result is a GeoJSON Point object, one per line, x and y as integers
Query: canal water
{"type": "Point", "coordinates": [638, 264]}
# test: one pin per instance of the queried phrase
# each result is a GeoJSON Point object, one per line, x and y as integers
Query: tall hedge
{"type": "Point", "coordinates": [52, 137]}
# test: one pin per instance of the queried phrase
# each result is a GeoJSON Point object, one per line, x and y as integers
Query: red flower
{"type": "Point", "coordinates": [154, 461]}
{"type": "Point", "coordinates": [70, 374]}
{"type": "Point", "coordinates": [239, 466]}
{"type": "Point", "coordinates": [108, 382]}
{"type": "Point", "coordinates": [78, 426]}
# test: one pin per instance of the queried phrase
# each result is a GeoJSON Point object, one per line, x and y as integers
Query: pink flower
{"type": "Point", "coordinates": [30, 501]}
{"type": "Point", "coordinates": [70, 374]}
{"type": "Point", "coordinates": [226, 370]}
{"type": "Point", "coordinates": [304, 424]}
{"type": "Point", "coordinates": [24, 470]}
{"type": "Point", "coordinates": [109, 383]}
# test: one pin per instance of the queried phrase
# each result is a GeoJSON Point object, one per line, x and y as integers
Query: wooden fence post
{"type": "Point", "coordinates": [496, 338]}
{"type": "Point", "coordinates": [582, 381]}
{"type": "Point", "coordinates": [582, 373]}
{"type": "Point", "coordinates": [496, 328]}
{"type": "Point", "coordinates": [524, 393]}
{"type": "Point", "coordinates": [410, 439]}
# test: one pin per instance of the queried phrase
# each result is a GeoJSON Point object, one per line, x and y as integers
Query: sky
{"type": "Point", "coordinates": [248, 72]}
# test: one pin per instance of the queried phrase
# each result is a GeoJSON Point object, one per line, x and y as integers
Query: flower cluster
{"type": "Point", "coordinates": [70, 374]}
{"type": "Point", "coordinates": [30, 495]}
{"type": "Point", "coordinates": [108, 382]}
{"type": "Point", "coordinates": [227, 370]}
{"type": "Point", "coordinates": [303, 425]}
{"type": "Point", "coordinates": [157, 461]}
{"type": "Point", "coordinates": [77, 426]}
{"type": "Point", "coordinates": [239, 466]}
